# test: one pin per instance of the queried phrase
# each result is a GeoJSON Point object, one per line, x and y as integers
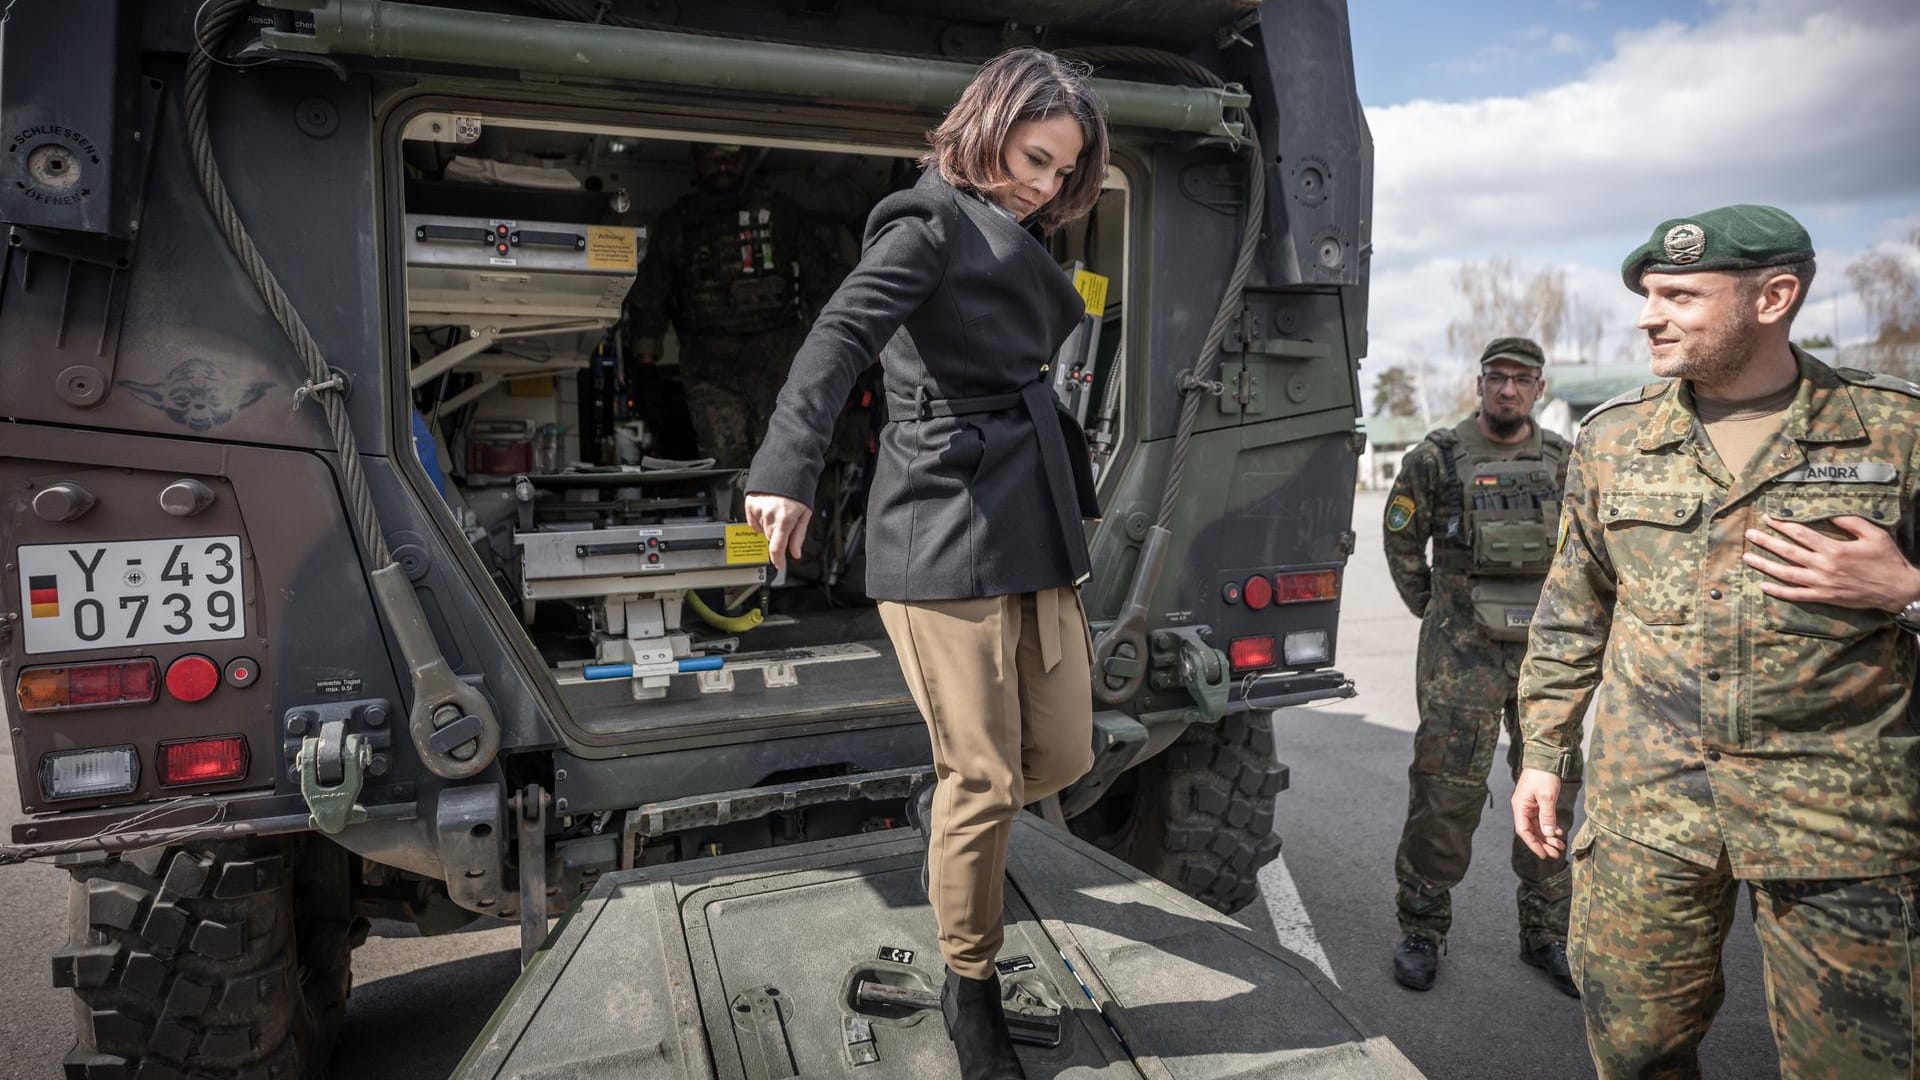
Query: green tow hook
{"type": "Point", "coordinates": [1183, 658]}
{"type": "Point", "coordinates": [331, 808]}
{"type": "Point", "coordinates": [1203, 669]}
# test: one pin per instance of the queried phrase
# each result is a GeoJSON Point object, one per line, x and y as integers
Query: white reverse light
{"type": "Point", "coordinates": [1305, 647]}
{"type": "Point", "coordinates": [73, 774]}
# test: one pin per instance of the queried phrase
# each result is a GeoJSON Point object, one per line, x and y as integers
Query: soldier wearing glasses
{"type": "Point", "coordinates": [1486, 493]}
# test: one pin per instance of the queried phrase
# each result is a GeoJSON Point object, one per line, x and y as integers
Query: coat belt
{"type": "Point", "coordinates": [1037, 397]}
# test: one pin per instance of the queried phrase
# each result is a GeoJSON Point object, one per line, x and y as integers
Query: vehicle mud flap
{"type": "Point", "coordinates": [1143, 981]}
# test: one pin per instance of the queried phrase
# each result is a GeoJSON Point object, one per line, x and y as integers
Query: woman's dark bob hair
{"type": "Point", "coordinates": [1021, 84]}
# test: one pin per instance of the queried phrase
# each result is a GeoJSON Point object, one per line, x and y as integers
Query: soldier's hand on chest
{"type": "Point", "coordinates": [1863, 570]}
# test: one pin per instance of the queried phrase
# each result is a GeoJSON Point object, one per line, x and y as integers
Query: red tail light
{"type": "Point", "coordinates": [1302, 587]}
{"type": "Point", "coordinates": [1258, 591]}
{"type": "Point", "coordinates": [192, 678]}
{"type": "Point", "coordinates": [1246, 653]}
{"type": "Point", "coordinates": [87, 686]}
{"type": "Point", "coordinates": [203, 761]}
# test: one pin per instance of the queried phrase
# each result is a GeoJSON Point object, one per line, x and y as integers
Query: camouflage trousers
{"type": "Point", "coordinates": [1467, 684]}
{"type": "Point", "coordinates": [1842, 961]}
{"type": "Point", "coordinates": [731, 383]}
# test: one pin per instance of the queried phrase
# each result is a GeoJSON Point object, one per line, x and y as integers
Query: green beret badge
{"type": "Point", "coordinates": [1685, 243]}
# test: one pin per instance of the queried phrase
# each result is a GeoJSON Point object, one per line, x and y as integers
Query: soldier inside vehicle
{"type": "Point", "coordinates": [599, 321]}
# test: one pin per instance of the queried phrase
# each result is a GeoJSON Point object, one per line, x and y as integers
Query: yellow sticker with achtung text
{"type": "Point", "coordinates": [611, 247]}
{"type": "Point", "coordinates": [745, 545]}
{"type": "Point", "coordinates": [1093, 289]}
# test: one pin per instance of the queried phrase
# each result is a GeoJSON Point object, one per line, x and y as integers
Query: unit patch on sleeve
{"type": "Point", "coordinates": [1399, 513]}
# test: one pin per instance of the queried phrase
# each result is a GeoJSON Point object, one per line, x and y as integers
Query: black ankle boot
{"type": "Point", "coordinates": [978, 1028]}
{"type": "Point", "coordinates": [920, 816]}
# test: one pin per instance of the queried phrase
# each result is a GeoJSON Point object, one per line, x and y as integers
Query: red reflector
{"type": "Point", "coordinates": [1303, 587]}
{"type": "Point", "coordinates": [192, 678]}
{"type": "Point", "coordinates": [1258, 591]}
{"type": "Point", "coordinates": [87, 686]}
{"type": "Point", "coordinates": [203, 761]}
{"type": "Point", "coordinates": [1251, 652]}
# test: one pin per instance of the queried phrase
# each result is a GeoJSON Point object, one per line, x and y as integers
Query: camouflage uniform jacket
{"type": "Point", "coordinates": [698, 243]}
{"type": "Point", "coordinates": [1778, 733]}
{"type": "Point", "coordinates": [1420, 505]}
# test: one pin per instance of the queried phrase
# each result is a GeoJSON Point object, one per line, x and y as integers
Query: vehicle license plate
{"type": "Point", "coordinates": [131, 592]}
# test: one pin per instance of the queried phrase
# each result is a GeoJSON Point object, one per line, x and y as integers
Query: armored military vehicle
{"type": "Point", "coordinates": [355, 569]}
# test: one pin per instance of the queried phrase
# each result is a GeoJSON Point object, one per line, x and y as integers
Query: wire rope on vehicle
{"type": "Point", "coordinates": [323, 383]}
{"type": "Point", "coordinates": [1202, 375]}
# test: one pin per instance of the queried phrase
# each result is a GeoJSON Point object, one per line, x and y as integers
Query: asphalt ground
{"type": "Point", "coordinates": [418, 1002]}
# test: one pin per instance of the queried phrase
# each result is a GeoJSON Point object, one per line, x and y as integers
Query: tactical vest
{"type": "Point", "coordinates": [1499, 524]}
{"type": "Point", "coordinates": [736, 282]}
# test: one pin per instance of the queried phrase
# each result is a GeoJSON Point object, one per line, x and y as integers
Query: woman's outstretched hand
{"type": "Point", "coordinates": [782, 521]}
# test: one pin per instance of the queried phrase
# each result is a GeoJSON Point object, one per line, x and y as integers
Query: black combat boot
{"type": "Point", "coordinates": [978, 1028]}
{"type": "Point", "coordinates": [1551, 957]}
{"type": "Point", "coordinates": [920, 816]}
{"type": "Point", "coordinates": [1416, 961]}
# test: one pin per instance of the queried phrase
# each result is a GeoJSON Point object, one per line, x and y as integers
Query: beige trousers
{"type": "Point", "coordinates": [1003, 684]}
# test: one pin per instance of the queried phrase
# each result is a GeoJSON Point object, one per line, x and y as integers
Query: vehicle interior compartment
{"type": "Point", "coordinates": [598, 320]}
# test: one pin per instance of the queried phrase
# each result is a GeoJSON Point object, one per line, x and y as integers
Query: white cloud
{"type": "Point", "coordinates": [1766, 101]}
{"type": "Point", "coordinates": [1515, 48]}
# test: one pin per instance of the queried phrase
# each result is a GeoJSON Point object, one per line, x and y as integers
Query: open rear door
{"type": "Point", "coordinates": [815, 960]}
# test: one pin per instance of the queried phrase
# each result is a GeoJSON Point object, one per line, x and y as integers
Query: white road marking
{"type": "Point", "coordinates": [1291, 923]}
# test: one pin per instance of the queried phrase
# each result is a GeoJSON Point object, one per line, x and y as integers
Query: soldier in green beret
{"type": "Point", "coordinates": [1735, 581]}
{"type": "Point", "coordinates": [1486, 493]}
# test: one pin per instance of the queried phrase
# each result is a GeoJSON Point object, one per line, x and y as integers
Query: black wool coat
{"type": "Point", "coordinates": [963, 309]}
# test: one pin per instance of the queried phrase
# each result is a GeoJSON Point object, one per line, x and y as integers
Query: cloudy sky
{"type": "Point", "coordinates": [1558, 132]}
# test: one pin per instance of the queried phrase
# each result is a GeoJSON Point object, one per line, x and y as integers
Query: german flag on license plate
{"type": "Point", "coordinates": [43, 596]}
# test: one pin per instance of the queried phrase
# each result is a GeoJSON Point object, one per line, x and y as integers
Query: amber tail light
{"type": "Point", "coordinates": [1304, 587]}
{"type": "Point", "coordinates": [58, 688]}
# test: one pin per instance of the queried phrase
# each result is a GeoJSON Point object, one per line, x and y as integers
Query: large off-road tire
{"type": "Point", "coordinates": [210, 961]}
{"type": "Point", "coordinates": [1199, 815]}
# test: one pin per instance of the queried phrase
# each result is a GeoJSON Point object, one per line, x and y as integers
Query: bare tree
{"type": "Point", "coordinates": [1442, 388]}
{"type": "Point", "coordinates": [1890, 291]}
{"type": "Point", "coordinates": [1503, 300]}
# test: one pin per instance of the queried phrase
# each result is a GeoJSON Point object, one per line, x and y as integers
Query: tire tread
{"type": "Point", "coordinates": [1204, 815]}
{"type": "Point", "coordinates": [184, 962]}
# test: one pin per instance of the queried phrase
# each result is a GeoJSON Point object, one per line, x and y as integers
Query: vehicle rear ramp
{"type": "Point", "coordinates": [811, 960]}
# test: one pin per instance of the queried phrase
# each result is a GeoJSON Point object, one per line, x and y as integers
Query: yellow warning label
{"type": "Point", "coordinates": [610, 247]}
{"type": "Point", "coordinates": [1093, 289]}
{"type": "Point", "coordinates": [744, 545]}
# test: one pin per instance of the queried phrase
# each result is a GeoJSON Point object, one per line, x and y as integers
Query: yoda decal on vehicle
{"type": "Point", "coordinates": [198, 394]}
